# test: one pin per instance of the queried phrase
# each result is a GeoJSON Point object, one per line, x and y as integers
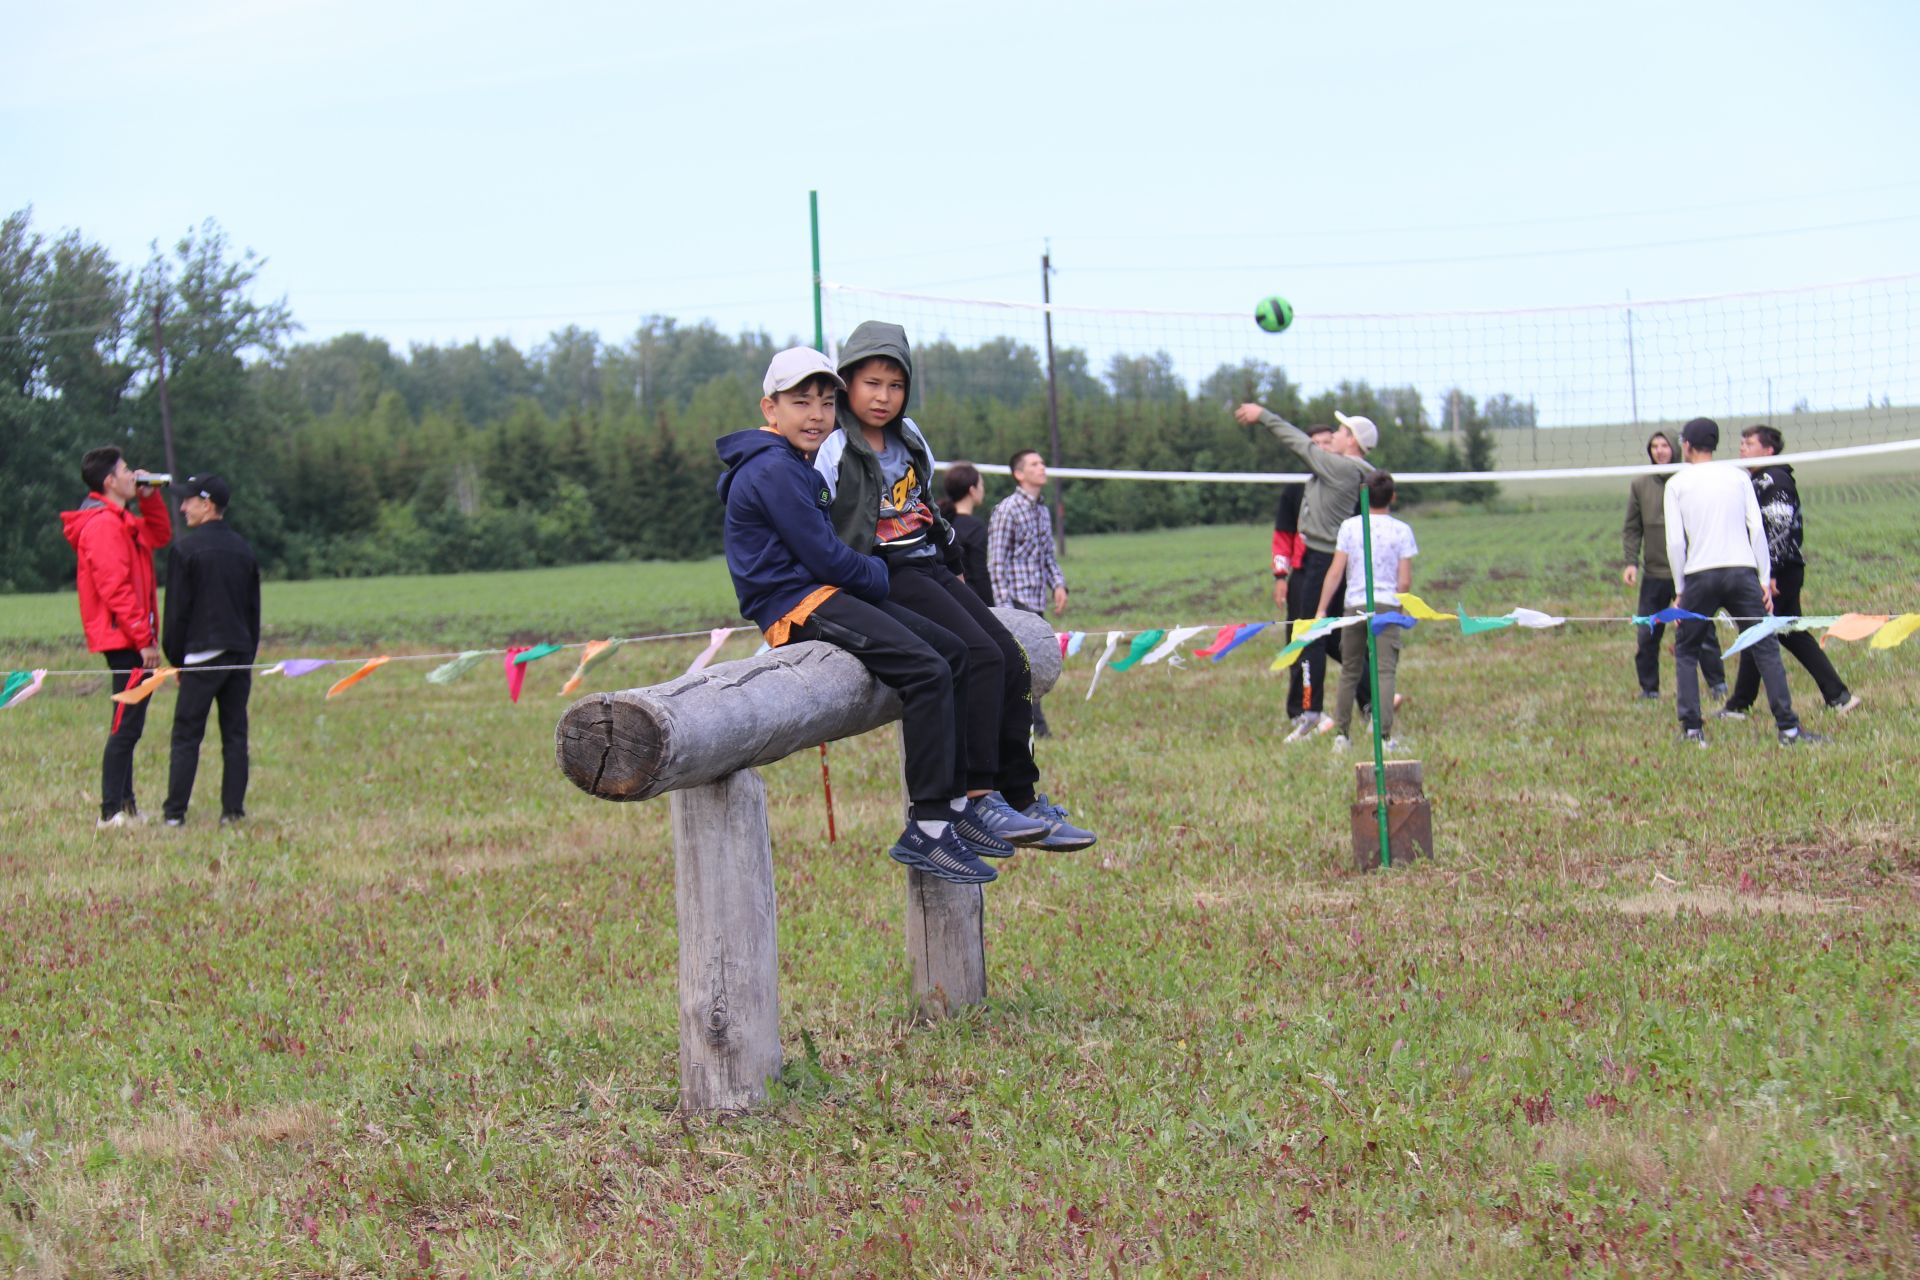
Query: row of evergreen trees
{"type": "Point", "coordinates": [349, 459]}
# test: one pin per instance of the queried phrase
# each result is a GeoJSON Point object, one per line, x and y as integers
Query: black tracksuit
{"type": "Point", "coordinates": [213, 606]}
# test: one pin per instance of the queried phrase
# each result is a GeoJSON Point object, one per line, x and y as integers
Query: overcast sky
{"type": "Point", "coordinates": [433, 172]}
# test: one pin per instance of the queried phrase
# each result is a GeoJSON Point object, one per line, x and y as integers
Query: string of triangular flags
{"type": "Point", "coordinates": [1146, 648]}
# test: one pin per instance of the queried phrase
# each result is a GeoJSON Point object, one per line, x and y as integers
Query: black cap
{"type": "Point", "coordinates": [1702, 433]}
{"type": "Point", "coordinates": [208, 486]}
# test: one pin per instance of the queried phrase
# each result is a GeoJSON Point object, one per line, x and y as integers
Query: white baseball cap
{"type": "Point", "coordinates": [1363, 429]}
{"type": "Point", "coordinates": [794, 366]}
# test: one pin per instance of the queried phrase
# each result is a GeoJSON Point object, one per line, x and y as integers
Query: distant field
{"type": "Point", "coordinates": [1622, 444]}
{"type": "Point", "coordinates": [1647, 1011]}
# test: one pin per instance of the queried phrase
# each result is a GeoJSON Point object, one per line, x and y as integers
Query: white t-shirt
{"type": "Point", "coordinates": [1392, 543]}
{"type": "Point", "coordinates": [1713, 522]}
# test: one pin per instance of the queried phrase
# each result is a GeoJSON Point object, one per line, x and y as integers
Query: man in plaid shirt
{"type": "Point", "coordinates": [1020, 557]}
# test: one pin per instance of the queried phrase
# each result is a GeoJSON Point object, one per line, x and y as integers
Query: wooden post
{"type": "Point", "coordinates": [946, 933]}
{"type": "Point", "coordinates": [724, 900]}
{"type": "Point", "coordinates": [1409, 816]}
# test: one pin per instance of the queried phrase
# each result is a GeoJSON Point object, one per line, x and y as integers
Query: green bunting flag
{"type": "Point", "coordinates": [534, 654]}
{"type": "Point", "coordinates": [458, 667]}
{"type": "Point", "coordinates": [16, 681]}
{"type": "Point", "coordinates": [1472, 626]}
{"type": "Point", "coordinates": [1138, 649]}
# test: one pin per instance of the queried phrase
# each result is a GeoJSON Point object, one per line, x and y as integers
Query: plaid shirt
{"type": "Point", "coordinates": [1020, 556]}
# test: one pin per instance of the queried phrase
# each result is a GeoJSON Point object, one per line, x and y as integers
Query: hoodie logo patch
{"type": "Point", "coordinates": [824, 500]}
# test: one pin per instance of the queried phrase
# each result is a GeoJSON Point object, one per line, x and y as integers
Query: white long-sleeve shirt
{"type": "Point", "coordinates": [1713, 522]}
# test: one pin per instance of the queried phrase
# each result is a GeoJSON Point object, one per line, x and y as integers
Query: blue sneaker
{"type": "Point", "coordinates": [978, 839]}
{"type": "Point", "coordinates": [1004, 822]}
{"type": "Point", "coordinates": [942, 857]}
{"type": "Point", "coordinates": [1062, 836]}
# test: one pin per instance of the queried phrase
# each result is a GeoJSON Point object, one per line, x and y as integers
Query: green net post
{"type": "Point", "coordinates": [819, 322]}
{"type": "Point", "coordinates": [1373, 676]}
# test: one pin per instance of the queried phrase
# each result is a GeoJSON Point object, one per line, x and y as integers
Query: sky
{"type": "Point", "coordinates": [430, 172]}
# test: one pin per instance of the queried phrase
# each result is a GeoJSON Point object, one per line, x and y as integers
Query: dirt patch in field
{"type": "Point", "coordinates": [187, 1138]}
{"type": "Point", "coordinates": [1668, 902]}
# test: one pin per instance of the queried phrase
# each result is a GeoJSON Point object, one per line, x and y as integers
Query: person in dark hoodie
{"type": "Point", "coordinates": [878, 470]}
{"type": "Point", "coordinates": [114, 534]}
{"type": "Point", "coordinates": [1645, 533]}
{"type": "Point", "coordinates": [796, 581]}
{"type": "Point", "coordinates": [1779, 500]}
{"type": "Point", "coordinates": [211, 633]}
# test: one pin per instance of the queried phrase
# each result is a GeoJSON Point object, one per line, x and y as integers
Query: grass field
{"type": "Point", "coordinates": [1647, 1010]}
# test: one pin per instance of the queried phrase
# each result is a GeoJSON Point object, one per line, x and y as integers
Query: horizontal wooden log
{"type": "Point", "coordinates": [640, 743]}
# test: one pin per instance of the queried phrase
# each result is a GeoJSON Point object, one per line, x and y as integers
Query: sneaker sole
{"type": "Point", "coordinates": [992, 847]}
{"type": "Point", "coordinates": [1070, 845]}
{"type": "Point", "coordinates": [908, 858]}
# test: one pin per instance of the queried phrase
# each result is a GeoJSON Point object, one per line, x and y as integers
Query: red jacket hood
{"type": "Point", "coordinates": [72, 522]}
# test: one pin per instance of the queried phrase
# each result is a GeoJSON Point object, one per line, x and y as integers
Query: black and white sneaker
{"type": "Point", "coordinates": [1728, 713]}
{"type": "Point", "coordinates": [944, 857]}
{"type": "Point", "coordinates": [1801, 738]}
{"type": "Point", "coordinates": [1693, 738]}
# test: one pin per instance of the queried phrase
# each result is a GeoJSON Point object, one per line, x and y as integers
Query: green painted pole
{"type": "Point", "coordinates": [1373, 675]}
{"type": "Point", "coordinates": [819, 321]}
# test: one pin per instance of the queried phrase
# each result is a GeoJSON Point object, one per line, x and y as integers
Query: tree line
{"type": "Point", "coordinates": [348, 458]}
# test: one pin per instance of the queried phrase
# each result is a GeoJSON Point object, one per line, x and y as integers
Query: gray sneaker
{"type": "Point", "coordinates": [1062, 836]}
{"type": "Point", "coordinates": [1728, 713]}
{"type": "Point", "coordinates": [1693, 738]}
{"type": "Point", "coordinates": [1004, 822]}
{"type": "Point", "coordinates": [1801, 738]}
{"type": "Point", "coordinates": [979, 841]}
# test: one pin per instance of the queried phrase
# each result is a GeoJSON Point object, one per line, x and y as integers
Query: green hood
{"type": "Point", "coordinates": [874, 338]}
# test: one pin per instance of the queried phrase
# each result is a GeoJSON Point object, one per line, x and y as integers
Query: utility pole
{"type": "Point", "coordinates": [1633, 382]}
{"type": "Point", "coordinates": [1053, 402]}
{"type": "Point", "coordinates": [166, 410]}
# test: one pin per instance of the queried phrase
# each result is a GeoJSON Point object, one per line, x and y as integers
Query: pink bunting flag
{"type": "Point", "coordinates": [1220, 640]}
{"type": "Point", "coordinates": [1062, 637]}
{"type": "Point", "coordinates": [516, 672]}
{"type": "Point", "coordinates": [715, 638]}
{"type": "Point", "coordinates": [366, 669]}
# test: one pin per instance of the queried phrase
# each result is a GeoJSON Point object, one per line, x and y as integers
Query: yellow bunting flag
{"type": "Point", "coordinates": [1896, 631]}
{"type": "Point", "coordinates": [144, 690]}
{"type": "Point", "coordinates": [1414, 607]}
{"type": "Point", "coordinates": [372, 665]}
{"type": "Point", "coordinates": [1854, 626]}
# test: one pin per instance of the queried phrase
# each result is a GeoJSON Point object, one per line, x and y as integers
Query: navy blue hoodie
{"type": "Point", "coordinates": [780, 544]}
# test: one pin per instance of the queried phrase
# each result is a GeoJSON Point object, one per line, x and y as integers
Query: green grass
{"type": "Point", "coordinates": [1645, 1011]}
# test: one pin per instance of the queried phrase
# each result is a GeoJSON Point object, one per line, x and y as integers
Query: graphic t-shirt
{"type": "Point", "coordinates": [1392, 543]}
{"type": "Point", "coordinates": [905, 521]}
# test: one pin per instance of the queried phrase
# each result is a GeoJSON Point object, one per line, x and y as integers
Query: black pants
{"type": "Point", "coordinates": [1310, 671]}
{"type": "Point", "coordinates": [927, 666]}
{"type": "Point", "coordinates": [123, 735]}
{"type": "Point", "coordinates": [199, 691]}
{"type": "Point", "coordinates": [999, 714]}
{"type": "Point", "coordinates": [1738, 592]}
{"type": "Point", "coordinates": [1788, 579]}
{"type": "Point", "coordinates": [1655, 595]}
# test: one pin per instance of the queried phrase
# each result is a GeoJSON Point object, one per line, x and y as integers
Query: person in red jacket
{"type": "Point", "coordinates": [114, 535]}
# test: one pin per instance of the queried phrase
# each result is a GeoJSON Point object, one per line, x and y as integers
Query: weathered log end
{"type": "Point", "coordinates": [611, 747]}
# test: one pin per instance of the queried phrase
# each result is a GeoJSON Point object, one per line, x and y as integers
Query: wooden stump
{"type": "Point", "coordinates": [1409, 816]}
{"type": "Point", "coordinates": [946, 932]}
{"type": "Point", "coordinates": [729, 991]}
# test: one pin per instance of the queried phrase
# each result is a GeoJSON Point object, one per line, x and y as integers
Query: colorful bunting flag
{"type": "Point", "coordinates": [715, 638]}
{"type": "Point", "coordinates": [515, 673]}
{"type": "Point", "coordinates": [1062, 637]}
{"type": "Point", "coordinates": [1221, 639]}
{"type": "Point", "coordinates": [301, 666]}
{"type": "Point", "coordinates": [1755, 634]}
{"type": "Point", "coordinates": [1305, 632]}
{"type": "Point", "coordinates": [458, 667]}
{"type": "Point", "coordinates": [144, 689]}
{"type": "Point", "coordinates": [1175, 638]}
{"type": "Point", "coordinates": [1815, 622]}
{"type": "Point", "coordinates": [1855, 626]}
{"type": "Point", "coordinates": [1894, 632]}
{"type": "Point", "coordinates": [1674, 613]}
{"type": "Point", "coordinates": [368, 668]}
{"type": "Point", "coordinates": [1472, 626]}
{"type": "Point", "coordinates": [18, 691]}
{"type": "Point", "coordinates": [1074, 642]}
{"type": "Point", "coordinates": [1240, 636]}
{"type": "Point", "coordinates": [596, 652]}
{"type": "Point", "coordinates": [1381, 621]}
{"type": "Point", "coordinates": [1413, 606]}
{"type": "Point", "coordinates": [1113, 642]}
{"type": "Point", "coordinates": [534, 654]}
{"type": "Point", "coordinates": [1138, 650]}
{"type": "Point", "coordinates": [1536, 620]}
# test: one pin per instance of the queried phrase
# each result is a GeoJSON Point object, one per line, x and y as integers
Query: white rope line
{"type": "Point", "coordinates": [1444, 477]}
{"type": "Point", "coordinates": [1060, 308]}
